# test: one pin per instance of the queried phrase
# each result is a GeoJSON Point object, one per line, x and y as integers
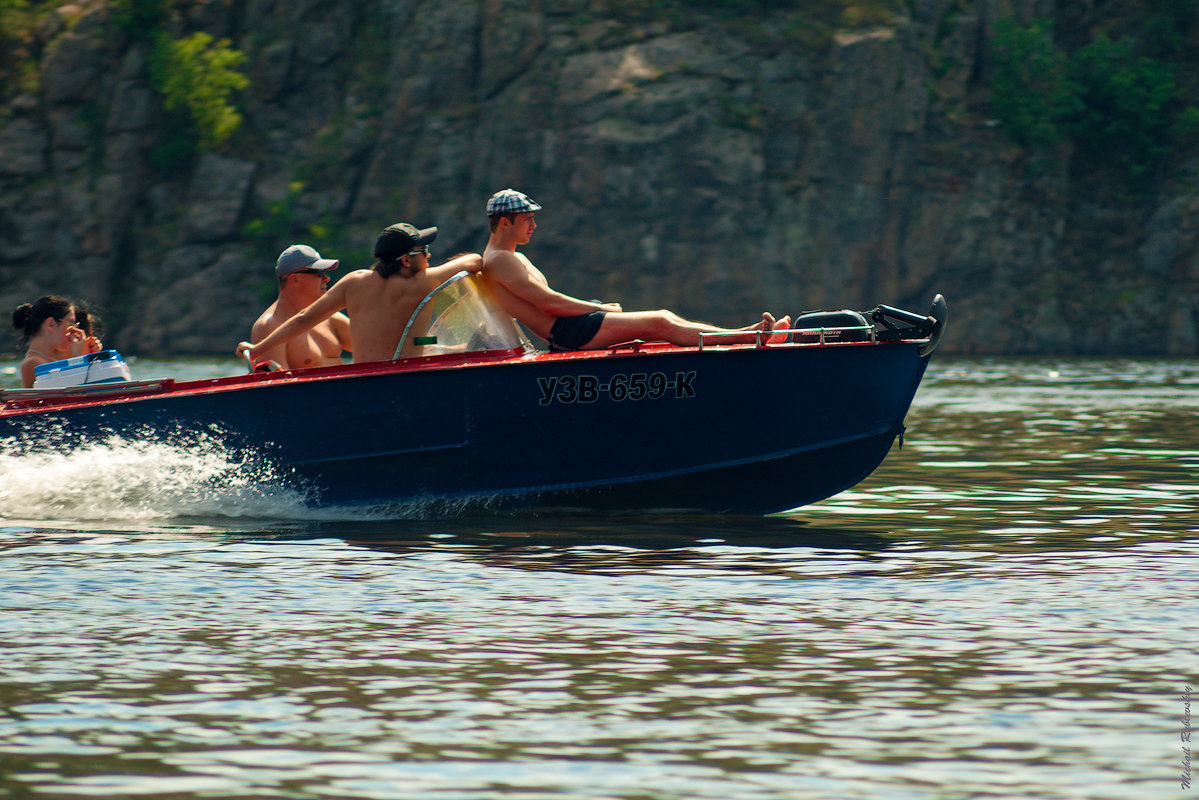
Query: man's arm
{"type": "Point", "coordinates": [28, 372]}
{"type": "Point", "coordinates": [471, 262]}
{"type": "Point", "coordinates": [521, 279]}
{"type": "Point", "coordinates": [329, 304]}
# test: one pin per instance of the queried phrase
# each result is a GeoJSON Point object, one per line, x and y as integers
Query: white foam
{"type": "Point", "coordinates": [120, 479]}
{"type": "Point", "coordinates": [173, 477]}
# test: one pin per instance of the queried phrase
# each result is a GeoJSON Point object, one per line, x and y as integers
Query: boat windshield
{"type": "Point", "coordinates": [460, 316]}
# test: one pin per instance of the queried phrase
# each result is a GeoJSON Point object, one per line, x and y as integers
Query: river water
{"type": "Point", "coordinates": [1007, 608]}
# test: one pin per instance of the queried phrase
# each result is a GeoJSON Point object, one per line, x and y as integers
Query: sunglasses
{"type": "Point", "coordinates": [319, 272]}
{"type": "Point", "coordinates": [420, 251]}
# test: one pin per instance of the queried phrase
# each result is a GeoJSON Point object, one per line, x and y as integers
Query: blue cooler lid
{"type": "Point", "coordinates": [76, 361]}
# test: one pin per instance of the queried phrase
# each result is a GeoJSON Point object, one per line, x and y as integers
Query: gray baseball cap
{"type": "Point", "coordinates": [301, 256]}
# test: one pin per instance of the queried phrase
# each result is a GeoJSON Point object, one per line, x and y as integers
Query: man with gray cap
{"type": "Point", "coordinates": [379, 300]}
{"type": "Point", "coordinates": [303, 278]}
{"type": "Point", "coordinates": [566, 322]}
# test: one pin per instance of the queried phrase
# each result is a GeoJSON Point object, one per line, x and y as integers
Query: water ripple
{"type": "Point", "coordinates": [1004, 610]}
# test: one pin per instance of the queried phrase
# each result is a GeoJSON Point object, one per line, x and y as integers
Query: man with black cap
{"type": "Point", "coordinates": [379, 300]}
{"type": "Point", "coordinates": [568, 323]}
{"type": "Point", "coordinates": [303, 277]}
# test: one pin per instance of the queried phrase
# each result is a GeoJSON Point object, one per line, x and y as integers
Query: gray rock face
{"type": "Point", "coordinates": [718, 167]}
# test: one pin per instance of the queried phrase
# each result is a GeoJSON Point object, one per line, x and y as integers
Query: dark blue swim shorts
{"type": "Point", "coordinates": [572, 333]}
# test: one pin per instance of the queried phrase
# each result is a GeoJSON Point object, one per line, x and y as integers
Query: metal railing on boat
{"type": "Point", "coordinates": [33, 398]}
{"type": "Point", "coordinates": [793, 336]}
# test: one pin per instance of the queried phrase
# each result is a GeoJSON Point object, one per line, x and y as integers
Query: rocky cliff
{"type": "Point", "coordinates": [717, 161]}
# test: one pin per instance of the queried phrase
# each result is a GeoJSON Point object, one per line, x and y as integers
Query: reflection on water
{"type": "Point", "coordinates": [1006, 609]}
{"type": "Point", "coordinates": [1090, 385]}
{"type": "Point", "coordinates": [1009, 452]}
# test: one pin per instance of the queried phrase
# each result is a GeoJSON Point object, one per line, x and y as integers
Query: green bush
{"type": "Point", "coordinates": [825, 13]}
{"type": "Point", "coordinates": [141, 19]}
{"type": "Point", "coordinates": [1117, 104]}
{"type": "Point", "coordinates": [16, 18]}
{"type": "Point", "coordinates": [278, 223]}
{"type": "Point", "coordinates": [1031, 90]}
{"type": "Point", "coordinates": [1128, 104]}
{"type": "Point", "coordinates": [197, 77]}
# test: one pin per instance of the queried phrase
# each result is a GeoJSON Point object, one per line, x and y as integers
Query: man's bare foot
{"type": "Point", "coordinates": [768, 324]}
{"type": "Point", "coordinates": [782, 327]}
{"type": "Point", "coordinates": [765, 324]}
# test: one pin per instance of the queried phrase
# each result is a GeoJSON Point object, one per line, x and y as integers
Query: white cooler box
{"type": "Point", "coordinates": [106, 366]}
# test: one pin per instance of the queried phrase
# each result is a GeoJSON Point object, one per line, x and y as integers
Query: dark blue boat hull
{"type": "Point", "coordinates": [739, 430]}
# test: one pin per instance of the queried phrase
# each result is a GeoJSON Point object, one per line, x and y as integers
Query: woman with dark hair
{"type": "Point", "coordinates": [50, 330]}
{"type": "Point", "coordinates": [88, 321]}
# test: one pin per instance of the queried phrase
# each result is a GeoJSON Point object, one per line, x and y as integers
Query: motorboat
{"type": "Point", "coordinates": [469, 415]}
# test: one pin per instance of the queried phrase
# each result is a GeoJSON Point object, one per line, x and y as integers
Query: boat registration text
{"type": "Point", "coordinates": [634, 386]}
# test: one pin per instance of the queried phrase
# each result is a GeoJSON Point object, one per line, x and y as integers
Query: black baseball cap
{"type": "Point", "coordinates": [398, 239]}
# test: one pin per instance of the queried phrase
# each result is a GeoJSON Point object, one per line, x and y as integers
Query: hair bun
{"type": "Point", "coordinates": [21, 316]}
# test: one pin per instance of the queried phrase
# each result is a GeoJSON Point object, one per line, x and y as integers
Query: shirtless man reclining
{"type": "Point", "coordinates": [568, 323]}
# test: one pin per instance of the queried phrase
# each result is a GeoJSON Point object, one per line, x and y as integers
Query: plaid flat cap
{"type": "Point", "coordinates": [508, 201]}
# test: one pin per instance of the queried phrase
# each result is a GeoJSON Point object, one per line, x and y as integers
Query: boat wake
{"type": "Point", "coordinates": [185, 478]}
{"type": "Point", "coordinates": [138, 479]}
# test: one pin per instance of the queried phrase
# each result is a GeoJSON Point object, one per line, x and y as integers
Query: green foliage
{"type": "Point", "coordinates": [20, 46]}
{"type": "Point", "coordinates": [12, 7]}
{"type": "Point", "coordinates": [1162, 30]}
{"type": "Point", "coordinates": [1186, 127]}
{"type": "Point", "coordinates": [197, 76]}
{"type": "Point", "coordinates": [17, 21]}
{"type": "Point", "coordinates": [16, 18]}
{"type": "Point", "coordinates": [1032, 92]}
{"type": "Point", "coordinates": [278, 224]}
{"type": "Point", "coordinates": [284, 221]}
{"type": "Point", "coordinates": [370, 81]}
{"type": "Point", "coordinates": [823, 15]}
{"type": "Point", "coordinates": [1126, 104]}
{"type": "Point", "coordinates": [324, 160]}
{"type": "Point", "coordinates": [644, 10]}
{"type": "Point", "coordinates": [737, 113]}
{"type": "Point", "coordinates": [871, 12]}
{"type": "Point", "coordinates": [141, 19]}
{"type": "Point", "coordinates": [178, 146]}
{"type": "Point", "coordinates": [1118, 103]}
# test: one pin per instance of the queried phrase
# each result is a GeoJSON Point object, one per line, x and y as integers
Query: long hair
{"type": "Point", "coordinates": [88, 320]}
{"type": "Point", "coordinates": [387, 268]}
{"type": "Point", "coordinates": [28, 317]}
